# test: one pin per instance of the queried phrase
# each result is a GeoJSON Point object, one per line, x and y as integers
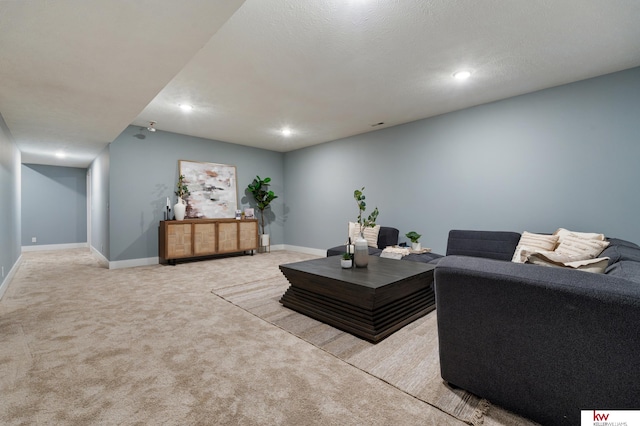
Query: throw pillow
{"type": "Point", "coordinates": [532, 243]}
{"type": "Point", "coordinates": [553, 259]}
{"type": "Point", "coordinates": [561, 233]}
{"type": "Point", "coordinates": [370, 234]}
{"type": "Point", "coordinates": [580, 248]}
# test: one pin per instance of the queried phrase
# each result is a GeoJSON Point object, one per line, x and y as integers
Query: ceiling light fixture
{"type": "Point", "coordinates": [461, 75]}
{"type": "Point", "coordinates": [286, 132]}
{"type": "Point", "coordinates": [151, 127]}
{"type": "Point", "coordinates": [185, 107]}
{"type": "Point", "coordinates": [61, 154]}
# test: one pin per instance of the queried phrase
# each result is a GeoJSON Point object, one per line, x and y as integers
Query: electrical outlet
{"type": "Point", "coordinates": [34, 240]}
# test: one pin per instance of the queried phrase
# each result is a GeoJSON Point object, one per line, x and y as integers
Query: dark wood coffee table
{"type": "Point", "coordinates": [370, 303]}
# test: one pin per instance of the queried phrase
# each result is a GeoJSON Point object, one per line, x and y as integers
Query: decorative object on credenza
{"type": "Point", "coordinates": [263, 197]}
{"type": "Point", "coordinates": [361, 255]}
{"type": "Point", "coordinates": [167, 210]}
{"type": "Point", "coordinates": [248, 213]}
{"type": "Point", "coordinates": [346, 262]}
{"type": "Point", "coordinates": [183, 191]}
{"type": "Point", "coordinates": [213, 190]}
{"type": "Point", "coordinates": [414, 237]}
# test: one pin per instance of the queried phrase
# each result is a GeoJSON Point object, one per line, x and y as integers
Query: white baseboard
{"type": "Point", "coordinates": [9, 277]}
{"type": "Point", "coordinates": [307, 250]}
{"type": "Point", "coordinates": [101, 258]}
{"type": "Point", "coordinates": [47, 247]}
{"type": "Point", "coordinates": [132, 263]}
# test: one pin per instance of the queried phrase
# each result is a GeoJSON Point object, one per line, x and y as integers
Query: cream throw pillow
{"type": "Point", "coordinates": [370, 234]}
{"type": "Point", "coordinates": [532, 243]}
{"type": "Point", "coordinates": [554, 259]}
{"type": "Point", "coordinates": [561, 232]}
{"type": "Point", "coordinates": [580, 248]}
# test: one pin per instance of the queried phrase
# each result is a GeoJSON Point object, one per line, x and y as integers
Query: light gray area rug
{"type": "Point", "coordinates": [408, 359]}
{"type": "Point", "coordinates": [80, 345]}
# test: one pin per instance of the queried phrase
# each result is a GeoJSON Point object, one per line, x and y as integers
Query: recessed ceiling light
{"type": "Point", "coordinates": [61, 154]}
{"type": "Point", "coordinates": [185, 107]}
{"type": "Point", "coordinates": [286, 131]}
{"type": "Point", "coordinates": [461, 75]}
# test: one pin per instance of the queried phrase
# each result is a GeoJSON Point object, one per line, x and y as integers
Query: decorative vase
{"type": "Point", "coordinates": [346, 263]}
{"type": "Point", "coordinates": [179, 209]}
{"type": "Point", "coordinates": [361, 255]}
{"type": "Point", "coordinates": [416, 246]}
{"type": "Point", "coordinates": [264, 240]}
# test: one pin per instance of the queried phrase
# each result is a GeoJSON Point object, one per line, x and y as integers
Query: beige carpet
{"type": "Point", "coordinates": [80, 344]}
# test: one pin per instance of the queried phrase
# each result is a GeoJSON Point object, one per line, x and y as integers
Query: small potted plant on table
{"type": "Point", "coordinates": [414, 237]}
{"type": "Point", "coordinates": [346, 262]}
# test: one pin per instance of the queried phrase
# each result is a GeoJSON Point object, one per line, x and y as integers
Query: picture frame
{"type": "Point", "coordinates": [213, 189]}
{"type": "Point", "coordinates": [248, 213]}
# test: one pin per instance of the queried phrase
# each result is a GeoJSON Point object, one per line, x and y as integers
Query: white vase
{"type": "Point", "coordinates": [346, 263]}
{"type": "Point", "coordinates": [416, 246]}
{"type": "Point", "coordinates": [264, 240]}
{"type": "Point", "coordinates": [179, 209]}
{"type": "Point", "coordinates": [361, 255]}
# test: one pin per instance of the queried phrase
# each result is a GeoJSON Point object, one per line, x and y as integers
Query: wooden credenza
{"type": "Point", "coordinates": [190, 238]}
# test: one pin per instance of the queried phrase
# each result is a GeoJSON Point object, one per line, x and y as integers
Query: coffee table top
{"type": "Point", "coordinates": [378, 273]}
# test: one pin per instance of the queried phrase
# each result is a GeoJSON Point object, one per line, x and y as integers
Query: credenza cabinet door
{"type": "Point", "coordinates": [248, 235]}
{"type": "Point", "coordinates": [179, 240]}
{"type": "Point", "coordinates": [204, 239]}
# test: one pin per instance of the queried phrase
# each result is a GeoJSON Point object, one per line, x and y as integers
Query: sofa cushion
{"type": "Point", "coordinates": [616, 253]}
{"type": "Point", "coordinates": [498, 245]}
{"type": "Point", "coordinates": [619, 242]}
{"type": "Point", "coordinates": [626, 269]}
{"type": "Point", "coordinates": [530, 242]}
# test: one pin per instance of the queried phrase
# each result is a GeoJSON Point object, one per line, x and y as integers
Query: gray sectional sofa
{"type": "Point", "coordinates": [543, 342]}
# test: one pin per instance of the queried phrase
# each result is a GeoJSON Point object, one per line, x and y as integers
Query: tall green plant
{"type": "Point", "coordinates": [263, 196]}
{"type": "Point", "coordinates": [370, 221]}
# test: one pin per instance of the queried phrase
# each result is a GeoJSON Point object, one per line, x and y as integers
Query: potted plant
{"type": "Point", "coordinates": [361, 255]}
{"type": "Point", "coordinates": [182, 191]}
{"type": "Point", "coordinates": [414, 237]}
{"type": "Point", "coordinates": [263, 196]}
{"type": "Point", "coordinates": [346, 261]}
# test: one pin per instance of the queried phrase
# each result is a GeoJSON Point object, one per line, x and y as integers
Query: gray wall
{"type": "Point", "coordinates": [54, 205]}
{"type": "Point", "coordinates": [99, 187]}
{"type": "Point", "coordinates": [561, 157]}
{"type": "Point", "coordinates": [144, 171]}
{"type": "Point", "coordinates": [10, 221]}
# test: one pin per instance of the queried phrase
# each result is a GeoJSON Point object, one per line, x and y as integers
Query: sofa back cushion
{"type": "Point", "coordinates": [387, 237]}
{"type": "Point", "coordinates": [498, 245]}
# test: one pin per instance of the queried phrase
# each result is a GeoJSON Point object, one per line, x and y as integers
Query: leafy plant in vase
{"type": "Point", "coordinates": [361, 253]}
{"type": "Point", "coordinates": [414, 237]}
{"type": "Point", "coordinates": [183, 190]}
{"type": "Point", "coordinates": [263, 196]}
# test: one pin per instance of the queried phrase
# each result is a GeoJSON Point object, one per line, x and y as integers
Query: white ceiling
{"type": "Point", "coordinates": [74, 74]}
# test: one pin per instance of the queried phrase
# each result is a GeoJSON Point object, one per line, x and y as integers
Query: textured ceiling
{"type": "Point", "coordinates": [325, 68]}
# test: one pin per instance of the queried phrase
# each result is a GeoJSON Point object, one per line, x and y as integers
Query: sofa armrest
{"type": "Point", "coordinates": [543, 342]}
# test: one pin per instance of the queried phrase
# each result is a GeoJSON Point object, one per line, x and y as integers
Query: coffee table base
{"type": "Point", "coordinates": [370, 324]}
